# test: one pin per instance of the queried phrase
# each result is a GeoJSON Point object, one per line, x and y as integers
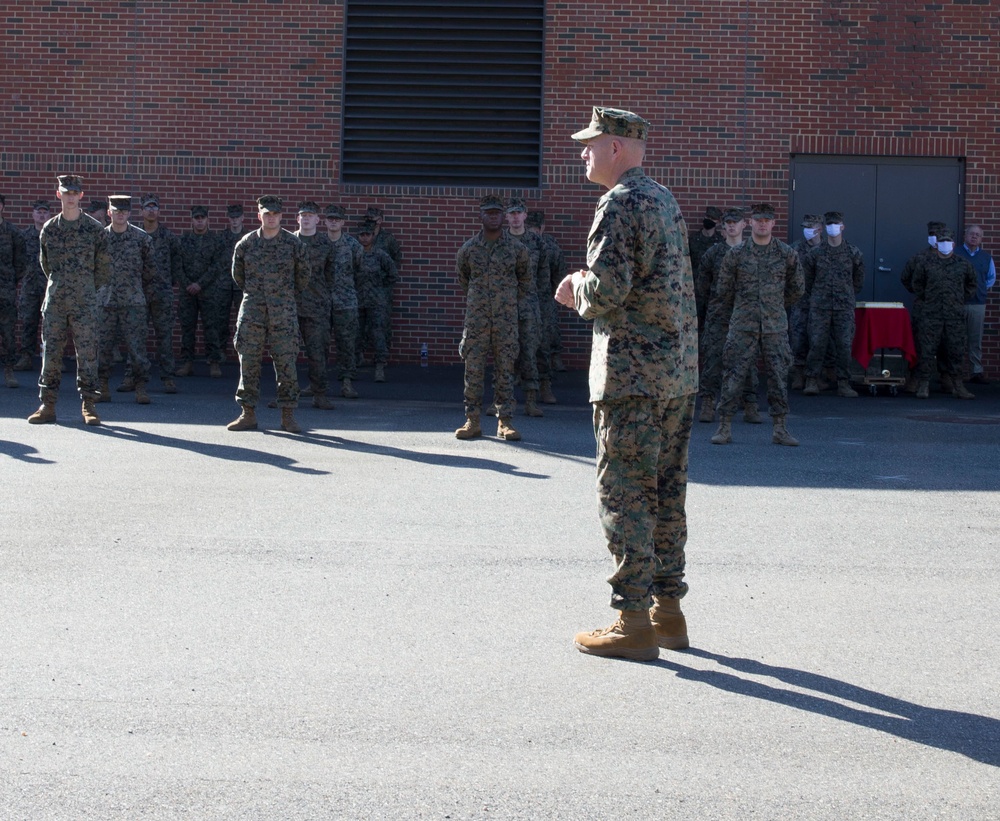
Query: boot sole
{"type": "Point", "coordinates": [639, 654]}
{"type": "Point", "coordinates": [673, 642]}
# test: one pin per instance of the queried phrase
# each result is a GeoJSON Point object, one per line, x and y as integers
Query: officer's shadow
{"type": "Point", "coordinates": [230, 453]}
{"type": "Point", "coordinates": [975, 736]}
{"type": "Point", "coordinates": [23, 453]}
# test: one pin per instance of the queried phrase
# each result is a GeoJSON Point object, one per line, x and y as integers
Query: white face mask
{"type": "Point", "coordinates": [932, 240]}
{"type": "Point", "coordinates": [946, 247]}
{"type": "Point", "coordinates": [834, 229]}
{"type": "Point", "coordinates": [810, 233]}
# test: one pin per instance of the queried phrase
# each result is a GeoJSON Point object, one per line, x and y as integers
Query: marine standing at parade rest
{"type": "Point", "coordinates": [385, 240]}
{"type": "Point", "coordinates": [230, 236]}
{"type": "Point", "coordinates": [29, 301]}
{"type": "Point", "coordinates": [74, 256]}
{"type": "Point", "coordinates": [798, 314]}
{"type": "Point", "coordinates": [916, 307]}
{"type": "Point", "coordinates": [204, 290]}
{"type": "Point", "coordinates": [314, 302]}
{"type": "Point", "coordinates": [347, 253]}
{"type": "Point", "coordinates": [639, 291]}
{"type": "Point", "coordinates": [121, 300]}
{"type": "Point", "coordinates": [550, 319]}
{"type": "Point", "coordinates": [376, 276]}
{"type": "Point", "coordinates": [13, 264]}
{"type": "Point", "coordinates": [494, 274]}
{"type": "Point", "coordinates": [270, 267]}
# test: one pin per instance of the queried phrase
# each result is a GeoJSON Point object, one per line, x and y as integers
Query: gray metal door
{"type": "Point", "coordinates": [887, 203]}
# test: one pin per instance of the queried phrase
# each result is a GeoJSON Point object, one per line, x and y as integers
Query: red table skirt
{"type": "Point", "coordinates": [882, 328]}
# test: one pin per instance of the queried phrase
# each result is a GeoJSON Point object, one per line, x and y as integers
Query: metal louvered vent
{"type": "Point", "coordinates": [443, 93]}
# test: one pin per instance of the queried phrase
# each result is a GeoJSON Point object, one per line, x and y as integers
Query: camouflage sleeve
{"type": "Point", "coordinates": [301, 266]}
{"type": "Point", "coordinates": [176, 265]}
{"type": "Point", "coordinates": [907, 276]}
{"type": "Point", "coordinates": [808, 272]}
{"type": "Point", "coordinates": [148, 256]}
{"type": "Point", "coordinates": [524, 274]}
{"type": "Point", "coordinates": [794, 279]}
{"type": "Point", "coordinates": [182, 277]}
{"type": "Point", "coordinates": [609, 279]}
{"type": "Point", "coordinates": [388, 270]}
{"type": "Point", "coordinates": [102, 260]}
{"type": "Point", "coordinates": [20, 254]}
{"type": "Point", "coordinates": [703, 280]}
{"type": "Point", "coordinates": [330, 269]}
{"type": "Point", "coordinates": [239, 266]}
{"type": "Point", "coordinates": [971, 286]}
{"type": "Point", "coordinates": [917, 277]}
{"type": "Point", "coordinates": [43, 258]}
{"type": "Point", "coordinates": [462, 267]}
{"type": "Point", "coordinates": [396, 252]}
{"type": "Point", "coordinates": [859, 271]}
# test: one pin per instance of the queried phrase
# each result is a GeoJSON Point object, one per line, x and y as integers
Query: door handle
{"type": "Point", "coordinates": [884, 268]}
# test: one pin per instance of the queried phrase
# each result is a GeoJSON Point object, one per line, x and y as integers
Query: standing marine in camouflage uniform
{"type": "Point", "coordinates": [314, 302]}
{"type": "Point", "coordinates": [557, 271]}
{"type": "Point", "coordinates": [13, 264]}
{"type": "Point", "coordinates": [761, 279]}
{"type": "Point", "coordinates": [230, 236]}
{"type": "Point", "coordinates": [942, 282]}
{"type": "Point", "coordinates": [834, 274]}
{"type": "Point", "coordinates": [798, 314]}
{"type": "Point", "coordinates": [98, 210]}
{"type": "Point", "coordinates": [347, 253]}
{"type": "Point", "coordinates": [699, 242]}
{"type": "Point", "coordinates": [386, 241]}
{"type": "Point", "coordinates": [713, 338]}
{"type": "Point", "coordinates": [494, 274]}
{"type": "Point", "coordinates": [376, 276]}
{"type": "Point", "coordinates": [29, 304]}
{"type": "Point", "coordinates": [639, 291]}
{"type": "Point", "coordinates": [533, 362]}
{"type": "Point", "coordinates": [270, 267]}
{"type": "Point", "coordinates": [204, 290]}
{"type": "Point", "coordinates": [74, 256]}
{"type": "Point", "coordinates": [121, 300]}
{"type": "Point", "coordinates": [916, 308]}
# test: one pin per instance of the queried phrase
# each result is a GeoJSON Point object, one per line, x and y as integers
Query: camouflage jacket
{"type": "Point", "coordinates": [640, 293]}
{"type": "Point", "coordinates": [834, 276]}
{"type": "Point", "coordinates": [698, 244]}
{"type": "Point", "coordinates": [229, 240]}
{"type": "Point", "coordinates": [203, 260]}
{"type": "Point", "coordinates": [169, 267]}
{"type": "Point", "coordinates": [74, 256]}
{"type": "Point", "coordinates": [133, 268]}
{"type": "Point", "coordinates": [760, 282]}
{"type": "Point", "coordinates": [707, 274]}
{"type": "Point", "coordinates": [347, 253]}
{"type": "Point", "coordinates": [271, 272]}
{"type": "Point", "coordinates": [943, 284]}
{"type": "Point", "coordinates": [802, 247]}
{"type": "Point", "coordinates": [34, 277]}
{"type": "Point", "coordinates": [376, 271]}
{"type": "Point", "coordinates": [557, 263]}
{"type": "Point", "coordinates": [906, 278]}
{"type": "Point", "coordinates": [385, 241]}
{"type": "Point", "coordinates": [538, 263]}
{"type": "Point", "coordinates": [13, 260]}
{"type": "Point", "coordinates": [495, 278]}
{"type": "Point", "coordinates": [314, 300]}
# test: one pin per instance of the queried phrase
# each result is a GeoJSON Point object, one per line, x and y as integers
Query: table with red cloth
{"type": "Point", "coordinates": [882, 325]}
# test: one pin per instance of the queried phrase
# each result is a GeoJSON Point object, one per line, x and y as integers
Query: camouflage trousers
{"type": "Point", "coordinates": [29, 311]}
{"type": "Point", "coordinates": [373, 317]}
{"type": "Point", "coordinates": [160, 310]}
{"type": "Point", "coordinates": [212, 304]}
{"type": "Point", "coordinates": [56, 323]}
{"type": "Point", "coordinates": [546, 342]}
{"type": "Point", "coordinates": [711, 344]}
{"type": "Point", "coordinates": [527, 354]}
{"type": "Point", "coordinates": [281, 333]}
{"type": "Point", "coordinates": [478, 342]}
{"type": "Point", "coordinates": [740, 355]}
{"type": "Point", "coordinates": [798, 330]}
{"type": "Point", "coordinates": [316, 343]}
{"type": "Point", "coordinates": [554, 332]}
{"type": "Point", "coordinates": [642, 467]}
{"type": "Point", "coordinates": [8, 344]}
{"type": "Point", "coordinates": [345, 334]}
{"type": "Point", "coordinates": [831, 332]}
{"type": "Point", "coordinates": [127, 322]}
{"type": "Point", "coordinates": [937, 335]}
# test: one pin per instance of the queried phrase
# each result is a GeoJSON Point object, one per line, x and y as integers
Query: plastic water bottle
{"type": "Point", "coordinates": [423, 355]}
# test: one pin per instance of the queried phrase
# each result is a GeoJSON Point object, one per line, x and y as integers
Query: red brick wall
{"type": "Point", "coordinates": [220, 102]}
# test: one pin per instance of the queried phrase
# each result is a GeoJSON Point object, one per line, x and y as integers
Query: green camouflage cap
{"type": "Point", "coordinates": [614, 121]}
{"type": "Point", "coordinates": [270, 204]}
{"type": "Point", "coordinates": [713, 213]}
{"type": "Point", "coordinates": [945, 234]}
{"type": "Point", "coordinates": [39, 205]}
{"type": "Point", "coordinates": [70, 182]}
{"type": "Point", "coordinates": [367, 226]}
{"type": "Point", "coordinates": [934, 227]}
{"type": "Point", "coordinates": [516, 204]}
{"type": "Point", "coordinates": [762, 210]}
{"type": "Point", "coordinates": [373, 212]}
{"type": "Point", "coordinates": [150, 200]}
{"type": "Point", "coordinates": [234, 210]}
{"type": "Point", "coordinates": [308, 207]}
{"type": "Point", "coordinates": [833, 217]}
{"type": "Point", "coordinates": [536, 219]}
{"type": "Point", "coordinates": [491, 202]}
{"type": "Point", "coordinates": [199, 211]}
{"type": "Point", "coordinates": [97, 205]}
{"type": "Point", "coordinates": [336, 212]}
{"type": "Point", "coordinates": [120, 202]}
{"type": "Point", "coordinates": [811, 220]}
{"type": "Point", "coordinates": [733, 215]}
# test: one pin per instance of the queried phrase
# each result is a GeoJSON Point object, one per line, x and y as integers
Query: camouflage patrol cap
{"type": "Point", "coordinates": [833, 217]}
{"type": "Point", "coordinates": [199, 211]}
{"type": "Point", "coordinates": [336, 212]}
{"type": "Point", "coordinates": [811, 220]}
{"type": "Point", "coordinates": [149, 201]}
{"type": "Point", "coordinates": [491, 202]}
{"type": "Point", "coordinates": [40, 205]}
{"type": "Point", "coordinates": [367, 226]}
{"type": "Point", "coordinates": [762, 210]}
{"type": "Point", "coordinates": [934, 227]}
{"type": "Point", "coordinates": [733, 215]}
{"type": "Point", "coordinates": [713, 213]}
{"type": "Point", "coordinates": [234, 210]}
{"type": "Point", "coordinates": [515, 204]}
{"type": "Point", "coordinates": [614, 121]}
{"type": "Point", "coordinates": [270, 204]}
{"type": "Point", "coordinates": [120, 202]}
{"type": "Point", "coordinates": [536, 219]}
{"type": "Point", "coordinates": [373, 212]}
{"type": "Point", "coordinates": [70, 182]}
{"type": "Point", "coordinates": [945, 234]}
{"type": "Point", "coordinates": [97, 205]}
{"type": "Point", "coordinates": [308, 207]}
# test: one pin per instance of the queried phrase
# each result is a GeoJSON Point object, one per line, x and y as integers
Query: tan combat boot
{"type": "Point", "coordinates": [127, 385]}
{"type": "Point", "coordinates": [961, 392]}
{"type": "Point", "coordinates": [46, 414]}
{"type": "Point", "coordinates": [545, 393]}
{"type": "Point", "coordinates": [105, 391]}
{"type": "Point", "coordinates": [798, 378]}
{"type": "Point", "coordinates": [215, 370]}
{"type": "Point", "coordinates": [669, 623]}
{"type": "Point", "coordinates": [169, 386]}
{"type": "Point", "coordinates": [557, 364]}
{"type": "Point", "coordinates": [90, 416]}
{"type": "Point", "coordinates": [751, 413]}
{"type": "Point", "coordinates": [25, 362]}
{"type": "Point", "coordinates": [781, 436]}
{"type": "Point", "coordinates": [923, 389]}
{"type": "Point", "coordinates": [141, 396]}
{"type": "Point", "coordinates": [845, 390]}
{"type": "Point", "coordinates": [531, 404]}
{"type": "Point", "coordinates": [247, 420]}
{"type": "Point", "coordinates": [506, 430]}
{"type": "Point", "coordinates": [812, 386]}
{"type": "Point", "coordinates": [322, 402]}
{"type": "Point", "coordinates": [187, 369]}
{"type": "Point", "coordinates": [707, 409]}
{"type": "Point", "coordinates": [288, 422]}
{"type": "Point", "coordinates": [8, 377]}
{"type": "Point", "coordinates": [911, 384]}
{"type": "Point", "coordinates": [631, 637]}
{"type": "Point", "coordinates": [724, 435]}
{"type": "Point", "coordinates": [947, 383]}
{"type": "Point", "coordinates": [380, 373]}
{"type": "Point", "coordinates": [471, 428]}
{"type": "Point", "coordinates": [347, 389]}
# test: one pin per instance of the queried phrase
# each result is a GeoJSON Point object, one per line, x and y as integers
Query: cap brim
{"type": "Point", "coordinates": [588, 133]}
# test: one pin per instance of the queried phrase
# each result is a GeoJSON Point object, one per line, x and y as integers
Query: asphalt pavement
{"type": "Point", "coordinates": [374, 620]}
